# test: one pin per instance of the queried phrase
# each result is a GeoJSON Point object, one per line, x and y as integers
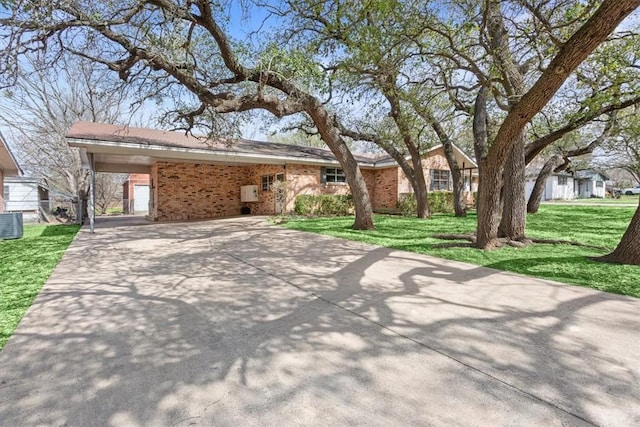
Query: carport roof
{"type": "Point", "coordinates": [8, 163]}
{"type": "Point", "coordinates": [127, 149]}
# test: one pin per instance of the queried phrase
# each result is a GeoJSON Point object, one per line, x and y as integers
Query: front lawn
{"type": "Point", "coordinates": [25, 264]}
{"type": "Point", "coordinates": [599, 226]}
{"type": "Point", "coordinates": [623, 200]}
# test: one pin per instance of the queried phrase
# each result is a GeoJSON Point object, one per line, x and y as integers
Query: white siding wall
{"type": "Point", "coordinates": [528, 187]}
{"type": "Point", "coordinates": [599, 191]}
{"type": "Point", "coordinates": [551, 189]}
{"type": "Point", "coordinates": [557, 191]}
{"type": "Point", "coordinates": [22, 196]}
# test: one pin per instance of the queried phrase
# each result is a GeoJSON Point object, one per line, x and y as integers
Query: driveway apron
{"type": "Point", "coordinates": [238, 322]}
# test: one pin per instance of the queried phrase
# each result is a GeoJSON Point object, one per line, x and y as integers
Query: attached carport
{"type": "Point", "coordinates": [121, 149]}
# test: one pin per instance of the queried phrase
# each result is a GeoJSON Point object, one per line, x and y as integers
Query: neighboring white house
{"type": "Point", "coordinates": [8, 167]}
{"type": "Point", "coordinates": [564, 186]}
{"type": "Point", "coordinates": [559, 186]}
{"type": "Point", "coordinates": [24, 194]}
{"type": "Point", "coordinates": [590, 183]}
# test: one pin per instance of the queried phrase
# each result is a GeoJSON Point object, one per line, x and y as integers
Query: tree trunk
{"type": "Point", "coordinates": [602, 23]}
{"type": "Point", "coordinates": [416, 179]}
{"type": "Point", "coordinates": [331, 136]}
{"type": "Point", "coordinates": [459, 202]}
{"type": "Point", "coordinates": [514, 209]}
{"type": "Point", "coordinates": [628, 250]}
{"type": "Point", "coordinates": [538, 188]}
{"type": "Point", "coordinates": [419, 184]}
{"type": "Point", "coordinates": [488, 204]}
{"type": "Point", "coordinates": [490, 171]}
{"type": "Point", "coordinates": [390, 91]}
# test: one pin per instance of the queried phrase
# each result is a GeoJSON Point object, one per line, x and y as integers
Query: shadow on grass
{"type": "Point", "coordinates": [60, 230]}
{"type": "Point", "coordinates": [577, 270]}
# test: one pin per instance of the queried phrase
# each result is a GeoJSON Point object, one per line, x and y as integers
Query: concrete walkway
{"type": "Point", "coordinates": [235, 322]}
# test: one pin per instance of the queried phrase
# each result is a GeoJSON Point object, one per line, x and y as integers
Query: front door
{"type": "Point", "coordinates": [140, 199]}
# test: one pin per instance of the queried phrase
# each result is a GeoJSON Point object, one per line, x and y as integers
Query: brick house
{"type": "Point", "coordinates": [8, 167]}
{"type": "Point", "coordinates": [197, 178]}
{"type": "Point", "coordinates": [135, 194]}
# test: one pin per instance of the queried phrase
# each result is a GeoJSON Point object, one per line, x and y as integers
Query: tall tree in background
{"type": "Point", "coordinates": [161, 46]}
{"type": "Point", "coordinates": [624, 151]}
{"type": "Point", "coordinates": [373, 50]}
{"type": "Point", "coordinates": [50, 100]}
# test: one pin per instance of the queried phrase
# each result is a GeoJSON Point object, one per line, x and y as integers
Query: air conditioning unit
{"type": "Point", "coordinates": [249, 193]}
{"type": "Point", "coordinates": [11, 225]}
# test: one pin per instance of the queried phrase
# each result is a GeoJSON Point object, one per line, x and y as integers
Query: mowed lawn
{"type": "Point", "coordinates": [25, 264]}
{"type": "Point", "coordinates": [592, 225]}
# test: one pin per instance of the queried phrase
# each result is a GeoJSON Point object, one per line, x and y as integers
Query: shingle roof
{"type": "Point", "coordinates": [125, 134]}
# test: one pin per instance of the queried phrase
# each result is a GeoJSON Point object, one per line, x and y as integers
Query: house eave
{"type": "Point", "coordinates": [171, 153]}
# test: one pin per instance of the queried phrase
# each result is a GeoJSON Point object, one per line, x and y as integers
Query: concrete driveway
{"type": "Point", "coordinates": [236, 322]}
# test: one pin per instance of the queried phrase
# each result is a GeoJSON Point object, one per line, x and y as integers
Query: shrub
{"type": "Point", "coordinates": [407, 204]}
{"type": "Point", "coordinates": [439, 202]}
{"type": "Point", "coordinates": [323, 204]}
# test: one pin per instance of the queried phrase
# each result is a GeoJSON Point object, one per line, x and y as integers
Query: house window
{"type": "Point", "coordinates": [267, 182]}
{"type": "Point", "coordinates": [280, 177]}
{"type": "Point", "coordinates": [440, 180]}
{"type": "Point", "coordinates": [599, 184]}
{"type": "Point", "coordinates": [562, 180]}
{"type": "Point", "coordinates": [6, 192]}
{"type": "Point", "coordinates": [332, 175]}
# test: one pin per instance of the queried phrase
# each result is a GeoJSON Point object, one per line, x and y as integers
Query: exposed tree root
{"type": "Point", "coordinates": [469, 237]}
{"type": "Point", "coordinates": [569, 242]}
{"type": "Point", "coordinates": [453, 245]}
{"type": "Point", "coordinates": [520, 243]}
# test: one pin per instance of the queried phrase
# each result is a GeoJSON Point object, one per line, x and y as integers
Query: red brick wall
{"type": "Point", "coordinates": [181, 191]}
{"type": "Point", "coordinates": [266, 204]}
{"type": "Point", "coordinates": [385, 195]}
{"type": "Point", "coordinates": [195, 191]}
{"type": "Point", "coordinates": [305, 179]}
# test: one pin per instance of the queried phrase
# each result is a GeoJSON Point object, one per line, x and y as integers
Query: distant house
{"type": "Point", "coordinates": [567, 186]}
{"type": "Point", "coordinates": [27, 195]}
{"type": "Point", "coordinates": [135, 194]}
{"type": "Point", "coordinates": [8, 167]}
{"type": "Point", "coordinates": [590, 183]}
{"type": "Point", "coordinates": [559, 186]}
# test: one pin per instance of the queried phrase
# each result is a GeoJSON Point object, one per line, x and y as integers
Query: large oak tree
{"type": "Point", "coordinates": [164, 45]}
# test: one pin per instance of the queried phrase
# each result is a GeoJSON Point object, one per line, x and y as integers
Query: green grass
{"type": "Point", "coordinates": [114, 211]}
{"type": "Point", "coordinates": [25, 264]}
{"type": "Point", "coordinates": [593, 225]}
{"type": "Point", "coordinates": [624, 200]}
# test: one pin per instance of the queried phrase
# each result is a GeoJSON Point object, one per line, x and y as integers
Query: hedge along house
{"type": "Point", "coordinates": [198, 178]}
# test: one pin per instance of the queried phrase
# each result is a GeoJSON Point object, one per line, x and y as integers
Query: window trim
{"type": "Point", "coordinates": [266, 182]}
{"type": "Point", "coordinates": [332, 176]}
{"type": "Point", "coordinates": [440, 180]}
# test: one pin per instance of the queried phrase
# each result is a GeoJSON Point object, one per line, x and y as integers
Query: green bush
{"type": "Point", "coordinates": [439, 202]}
{"type": "Point", "coordinates": [407, 204]}
{"type": "Point", "coordinates": [323, 205]}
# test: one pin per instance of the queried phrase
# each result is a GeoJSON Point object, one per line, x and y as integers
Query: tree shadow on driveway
{"type": "Point", "coordinates": [235, 321]}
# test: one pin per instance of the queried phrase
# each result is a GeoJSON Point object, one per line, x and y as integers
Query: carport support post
{"type": "Point", "coordinates": [92, 193]}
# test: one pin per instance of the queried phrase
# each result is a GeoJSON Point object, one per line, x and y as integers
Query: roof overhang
{"type": "Point", "coordinates": [128, 157]}
{"type": "Point", "coordinates": [8, 163]}
{"type": "Point", "coordinates": [464, 162]}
